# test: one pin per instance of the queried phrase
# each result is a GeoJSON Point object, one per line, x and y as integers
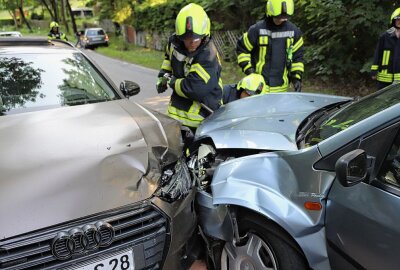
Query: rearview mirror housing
{"type": "Point", "coordinates": [129, 88]}
{"type": "Point", "coordinates": [351, 168]}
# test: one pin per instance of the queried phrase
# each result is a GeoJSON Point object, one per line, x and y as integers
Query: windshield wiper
{"type": "Point", "coordinates": [317, 118]}
{"type": "Point", "coordinates": [309, 123]}
{"type": "Point", "coordinates": [80, 101]}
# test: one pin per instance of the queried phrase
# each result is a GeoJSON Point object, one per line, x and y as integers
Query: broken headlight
{"type": "Point", "coordinates": [175, 182]}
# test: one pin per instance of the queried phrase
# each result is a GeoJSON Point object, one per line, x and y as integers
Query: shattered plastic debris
{"type": "Point", "coordinates": [179, 184]}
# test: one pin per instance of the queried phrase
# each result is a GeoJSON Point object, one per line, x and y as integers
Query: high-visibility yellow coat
{"type": "Point", "coordinates": [276, 52]}
{"type": "Point", "coordinates": [197, 79]}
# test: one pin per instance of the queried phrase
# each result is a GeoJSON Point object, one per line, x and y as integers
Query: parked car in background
{"type": "Point", "coordinates": [93, 37]}
{"type": "Point", "coordinates": [300, 181]}
{"type": "Point", "coordinates": [10, 34]}
{"type": "Point", "coordinates": [89, 178]}
{"type": "Point", "coordinates": [82, 12]}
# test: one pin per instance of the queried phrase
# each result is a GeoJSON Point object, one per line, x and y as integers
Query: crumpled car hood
{"type": "Point", "coordinates": [63, 164]}
{"type": "Point", "coordinates": [267, 122]}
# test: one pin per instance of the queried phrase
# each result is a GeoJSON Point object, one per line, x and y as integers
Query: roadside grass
{"type": "Point", "coordinates": [78, 3]}
{"type": "Point", "coordinates": [133, 54]}
{"type": "Point", "coordinates": [5, 15]}
{"type": "Point", "coordinates": [36, 31]}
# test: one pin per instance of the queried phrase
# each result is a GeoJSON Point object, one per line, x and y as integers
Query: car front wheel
{"type": "Point", "coordinates": [263, 245]}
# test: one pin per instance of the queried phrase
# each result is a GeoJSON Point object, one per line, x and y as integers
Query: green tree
{"type": "Point", "coordinates": [10, 6]}
{"type": "Point", "coordinates": [340, 35]}
{"type": "Point", "coordinates": [18, 82]}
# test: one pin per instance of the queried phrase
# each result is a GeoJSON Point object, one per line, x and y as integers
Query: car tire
{"type": "Point", "coordinates": [265, 246]}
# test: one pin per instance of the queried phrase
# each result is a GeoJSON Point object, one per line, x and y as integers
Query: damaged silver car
{"type": "Point", "coordinates": [300, 181]}
{"type": "Point", "coordinates": [89, 178]}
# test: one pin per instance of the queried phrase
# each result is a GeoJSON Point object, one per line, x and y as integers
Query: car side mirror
{"type": "Point", "coordinates": [129, 88]}
{"type": "Point", "coordinates": [351, 168]}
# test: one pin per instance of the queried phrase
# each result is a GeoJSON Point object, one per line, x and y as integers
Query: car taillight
{"type": "Point", "coordinates": [85, 38]}
{"type": "Point", "coordinates": [106, 37]}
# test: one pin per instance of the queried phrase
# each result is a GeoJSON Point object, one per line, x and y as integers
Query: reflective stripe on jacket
{"type": "Point", "coordinates": [386, 64]}
{"type": "Point", "coordinates": [273, 51]}
{"type": "Point", "coordinates": [198, 80]}
{"type": "Point", "coordinates": [59, 35]}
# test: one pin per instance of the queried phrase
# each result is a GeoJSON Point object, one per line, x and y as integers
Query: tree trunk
{"type": "Point", "coordinates": [63, 16]}
{"type": "Point", "coordinates": [72, 17]}
{"type": "Point", "coordinates": [14, 18]}
{"type": "Point", "coordinates": [48, 8]}
{"type": "Point", "coordinates": [21, 11]}
{"type": "Point", "coordinates": [112, 5]}
{"type": "Point", "coordinates": [55, 9]}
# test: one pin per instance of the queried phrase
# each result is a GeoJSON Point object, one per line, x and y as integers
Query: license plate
{"type": "Point", "coordinates": [97, 39]}
{"type": "Point", "coordinates": [121, 261]}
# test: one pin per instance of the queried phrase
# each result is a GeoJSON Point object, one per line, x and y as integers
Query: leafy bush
{"type": "Point", "coordinates": [341, 35]}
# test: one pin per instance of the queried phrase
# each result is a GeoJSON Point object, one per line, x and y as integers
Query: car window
{"type": "Point", "coordinates": [36, 81]}
{"type": "Point", "coordinates": [390, 170]}
{"type": "Point", "coordinates": [87, 13]}
{"type": "Point", "coordinates": [95, 32]}
{"type": "Point", "coordinates": [354, 113]}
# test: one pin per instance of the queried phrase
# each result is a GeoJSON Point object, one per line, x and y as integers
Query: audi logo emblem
{"type": "Point", "coordinates": [81, 239]}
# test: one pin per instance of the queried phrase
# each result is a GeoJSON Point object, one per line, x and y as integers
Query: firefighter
{"type": "Point", "coordinates": [273, 47]}
{"type": "Point", "coordinates": [386, 66]}
{"type": "Point", "coordinates": [191, 68]}
{"type": "Point", "coordinates": [55, 33]}
{"type": "Point", "coordinates": [250, 85]}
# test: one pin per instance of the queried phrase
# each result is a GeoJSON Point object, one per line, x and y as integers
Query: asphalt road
{"type": "Point", "coordinates": [118, 71]}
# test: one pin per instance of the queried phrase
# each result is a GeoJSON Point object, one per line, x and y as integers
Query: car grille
{"type": "Point", "coordinates": [141, 225]}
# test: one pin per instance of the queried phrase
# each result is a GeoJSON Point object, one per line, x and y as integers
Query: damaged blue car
{"type": "Point", "coordinates": [300, 181]}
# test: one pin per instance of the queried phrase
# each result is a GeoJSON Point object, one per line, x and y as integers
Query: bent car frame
{"type": "Point", "coordinates": [299, 181]}
{"type": "Point", "coordinates": [83, 167]}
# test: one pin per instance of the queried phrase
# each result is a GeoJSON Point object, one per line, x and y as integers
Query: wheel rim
{"type": "Point", "coordinates": [255, 254]}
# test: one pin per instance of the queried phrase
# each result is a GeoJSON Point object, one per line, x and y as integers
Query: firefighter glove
{"type": "Point", "coordinates": [161, 86]}
{"type": "Point", "coordinates": [171, 82]}
{"type": "Point", "coordinates": [162, 83]}
{"type": "Point", "coordinates": [249, 71]}
{"type": "Point", "coordinates": [297, 85]}
{"type": "Point", "coordinates": [373, 74]}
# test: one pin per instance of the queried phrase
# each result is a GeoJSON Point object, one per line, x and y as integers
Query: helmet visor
{"type": "Point", "coordinates": [190, 35]}
{"type": "Point", "coordinates": [282, 16]}
{"type": "Point", "coordinates": [253, 92]}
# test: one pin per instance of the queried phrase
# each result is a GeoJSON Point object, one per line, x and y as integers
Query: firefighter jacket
{"type": "Point", "coordinates": [386, 65]}
{"type": "Point", "coordinates": [230, 93]}
{"type": "Point", "coordinates": [276, 52]}
{"type": "Point", "coordinates": [196, 80]}
{"type": "Point", "coordinates": [59, 35]}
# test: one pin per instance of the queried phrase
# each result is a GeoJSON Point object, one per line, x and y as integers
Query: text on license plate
{"type": "Point", "coordinates": [122, 261]}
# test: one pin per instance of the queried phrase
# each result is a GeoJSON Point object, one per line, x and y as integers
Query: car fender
{"type": "Point", "coordinates": [270, 185]}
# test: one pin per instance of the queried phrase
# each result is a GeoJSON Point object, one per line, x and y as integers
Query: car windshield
{"type": "Point", "coordinates": [352, 114]}
{"type": "Point", "coordinates": [95, 32]}
{"type": "Point", "coordinates": [36, 81]}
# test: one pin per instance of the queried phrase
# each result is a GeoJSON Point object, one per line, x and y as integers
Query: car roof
{"type": "Point", "coordinates": [94, 28]}
{"type": "Point", "coordinates": [19, 44]}
{"type": "Point", "coordinates": [6, 33]}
